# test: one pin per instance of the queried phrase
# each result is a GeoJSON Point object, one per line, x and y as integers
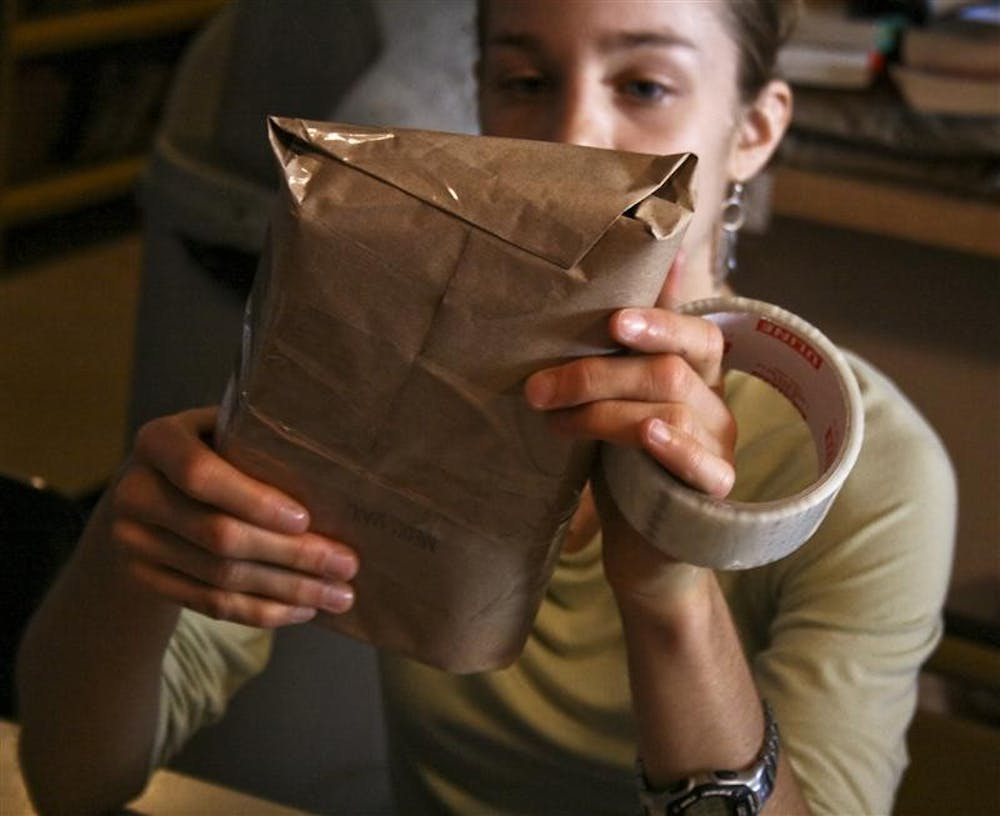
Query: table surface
{"type": "Point", "coordinates": [168, 792]}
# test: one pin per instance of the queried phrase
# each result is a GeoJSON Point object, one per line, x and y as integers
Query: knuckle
{"type": "Point", "coordinates": [228, 573]}
{"type": "Point", "coordinates": [223, 536]}
{"type": "Point", "coordinates": [128, 491]}
{"type": "Point", "coordinates": [578, 380]}
{"type": "Point", "coordinates": [268, 619]}
{"type": "Point", "coordinates": [307, 593]}
{"type": "Point", "coordinates": [680, 417]}
{"type": "Point", "coordinates": [670, 375]}
{"type": "Point", "coordinates": [122, 498]}
{"type": "Point", "coordinates": [714, 341]}
{"type": "Point", "coordinates": [593, 374]}
{"type": "Point", "coordinates": [122, 531]}
{"type": "Point", "coordinates": [197, 472]}
{"type": "Point", "coordinates": [146, 436]}
{"type": "Point", "coordinates": [219, 604]}
{"type": "Point", "coordinates": [128, 538]}
{"type": "Point", "coordinates": [306, 556]}
{"type": "Point", "coordinates": [154, 436]}
{"type": "Point", "coordinates": [272, 617]}
{"type": "Point", "coordinates": [138, 573]}
{"type": "Point", "coordinates": [694, 460]}
{"type": "Point", "coordinates": [670, 328]}
{"type": "Point", "coordinates": [301, 556]}
{"type": "Point", "coordinates": [146, 577]}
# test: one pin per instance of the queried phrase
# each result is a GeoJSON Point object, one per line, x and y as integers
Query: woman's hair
{"type": "Point", "coordinates": [758, 27]}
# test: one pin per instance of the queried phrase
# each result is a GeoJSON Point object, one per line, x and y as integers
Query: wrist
{"type": "Point", "coordinates": [678, 594]}
{"type": "Point", "coordinates": [644, 579]}
{"type": "Point", "coordinates": [741, 792]}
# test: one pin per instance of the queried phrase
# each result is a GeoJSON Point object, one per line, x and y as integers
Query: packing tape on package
{"type": "Point", "coordinates": [803, 365]}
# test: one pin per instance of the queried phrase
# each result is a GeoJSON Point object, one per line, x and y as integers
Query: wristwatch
{"type": "Point", "coordinates": [718, 793]}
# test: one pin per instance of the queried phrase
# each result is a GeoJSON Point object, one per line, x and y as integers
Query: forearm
{"type": "Point", "coordinates": [88, 682]}
{"type": "Point", "coordinates": [696, 705]}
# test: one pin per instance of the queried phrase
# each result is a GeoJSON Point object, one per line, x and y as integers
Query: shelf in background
{"type": "Point", "coordinates": [893, 210]}
{"type": "Point", "coordinates": [76, 33]}
{"type": "Point", "coordinates": [66, 329]}
{"type": "Point", "coordinates": [69, 190]}
{"type": "Point", "coordinates": [44, 36]}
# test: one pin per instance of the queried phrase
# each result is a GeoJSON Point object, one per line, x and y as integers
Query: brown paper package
{"type": "Point", "coordinates": [411, 282]}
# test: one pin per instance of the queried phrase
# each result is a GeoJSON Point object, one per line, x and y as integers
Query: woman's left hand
{"type": "Point", "coordinates": [665, 399]}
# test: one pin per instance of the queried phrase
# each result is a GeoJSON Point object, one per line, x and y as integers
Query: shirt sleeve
{"type": "Point", "coordinates": [859, 611]}
{"type": "Point", "coordinates": [206, 663]}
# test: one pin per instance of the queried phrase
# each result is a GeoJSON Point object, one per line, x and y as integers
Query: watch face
{"type": "Point", "coordinates": [711, 806]}
{"type": "Point", "coordinates": [736, 801]}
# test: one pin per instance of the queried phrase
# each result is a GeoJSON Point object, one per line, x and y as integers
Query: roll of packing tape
{"type": "Point", "coordinates": [796, 359]}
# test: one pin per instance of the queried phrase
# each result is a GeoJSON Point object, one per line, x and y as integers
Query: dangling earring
{"type": "Point", "coordinates": [734, 215]}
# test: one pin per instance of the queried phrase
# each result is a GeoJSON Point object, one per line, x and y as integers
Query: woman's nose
{"type": "Point", "coordinates": [579, 118]}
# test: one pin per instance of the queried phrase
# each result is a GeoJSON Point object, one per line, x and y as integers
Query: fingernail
{"type": "Point", "coordinates": [539, 390]}
{"type": "Point", "coordinates": [292, 517]}
{"type": "Point", "coordinates": [631, 325]}
{"type": "Point", "coordinates": [659, 432]}
{"type": "Point", "coordinates": [726, 478]}
{"type": "Point", "coordinates": [338, 598]}
{"type": "Point", "coordinates": [301, 614]}
{"type": "Point", "coordinates": [338, 565]}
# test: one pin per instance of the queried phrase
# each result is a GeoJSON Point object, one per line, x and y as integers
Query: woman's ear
{"type": "Point", "coordinates": [763, 124]}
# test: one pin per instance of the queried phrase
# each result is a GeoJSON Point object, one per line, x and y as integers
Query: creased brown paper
{"type": "Point", "coordinates": [412, 281]}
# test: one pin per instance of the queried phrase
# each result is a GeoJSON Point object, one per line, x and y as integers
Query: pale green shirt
{"type": "Point", "coordinates": [835, 634]}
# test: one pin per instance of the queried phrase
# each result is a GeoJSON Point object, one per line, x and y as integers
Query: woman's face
{"type": "Point", "coordinates": [654, 76]}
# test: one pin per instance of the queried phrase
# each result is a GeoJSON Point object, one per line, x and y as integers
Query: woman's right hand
{"type": "Point", "coordinates": [198, 532]}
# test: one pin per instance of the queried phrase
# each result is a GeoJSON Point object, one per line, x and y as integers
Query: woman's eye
{"type": "Point", "coordinates": [524, 84]}
{"type": "Point", "coordinates": [645, 90]}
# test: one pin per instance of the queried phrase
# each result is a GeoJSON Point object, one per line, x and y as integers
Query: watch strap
{"type": "Point", "coordinates": [745, 790]}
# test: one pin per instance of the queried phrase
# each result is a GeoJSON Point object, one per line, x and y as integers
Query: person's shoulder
{"type": "Point", "coordinates": [900, 446]}
{"type": "Point", "coordinates": [895, 515]}
{"type": "Point", "coordinates": [902, 460]}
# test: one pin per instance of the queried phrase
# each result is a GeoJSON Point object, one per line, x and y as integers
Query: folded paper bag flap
{"type": "Point", "coordinates": [551, 200]}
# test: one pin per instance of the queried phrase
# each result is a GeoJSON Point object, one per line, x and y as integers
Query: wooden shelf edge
{"type": "Point", "coordinates": [968, 661]}
{"type": "Point", "coordinates": [887, 209]}
{"type": "Point", "coordinates": [33, 200]}
{"type": "Point", "coordinates": [83, 29]}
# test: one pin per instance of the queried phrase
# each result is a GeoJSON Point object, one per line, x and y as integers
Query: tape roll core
{"type": "Point", "coordinates": [794, 357]}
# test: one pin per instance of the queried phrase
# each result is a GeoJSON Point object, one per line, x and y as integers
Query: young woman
{"type": "Point", "coordinates": [633, 655]}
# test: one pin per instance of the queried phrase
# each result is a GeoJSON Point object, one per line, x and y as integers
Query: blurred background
{"type": "Point", "coordinates": [134, 184]}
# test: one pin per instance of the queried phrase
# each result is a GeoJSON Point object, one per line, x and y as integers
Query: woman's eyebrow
{"type": "Point", "coordinates": [627, 40]}
{"type": "Point", "coordinates": [524, 42]}
{"type": "Point", "coordinates": [607, 43]}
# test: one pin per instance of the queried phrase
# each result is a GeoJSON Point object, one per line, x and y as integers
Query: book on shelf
{"type": "Point", "coordinates": [962, 47]}
{"type": "Point", "coordinates": [824, 67]}
{"type": "Point", "coordinates": [945, 94]}
{"type": "Point", "coordinates": [831, 48]}
{"type": "Point", "coordinates": [837, 25]}
{"type": "Point", "coordinates": [951, 67]}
